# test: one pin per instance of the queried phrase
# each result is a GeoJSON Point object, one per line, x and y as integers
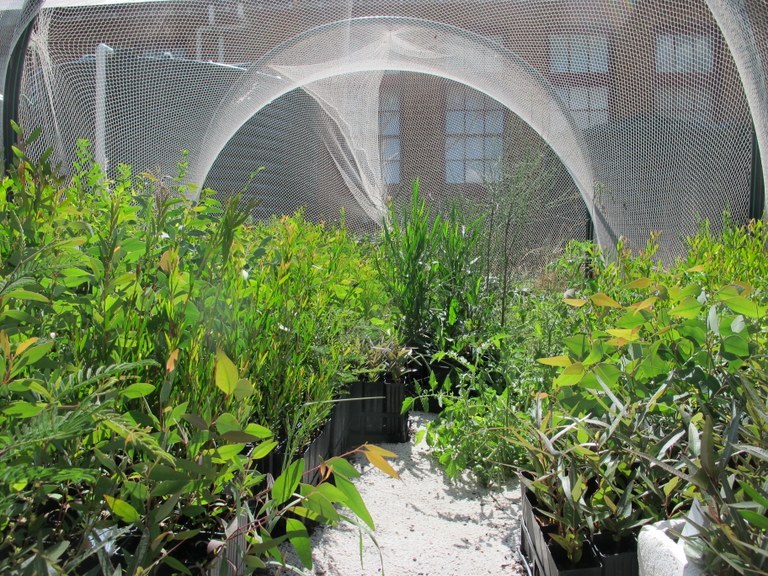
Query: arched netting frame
{"type": "Point", "coordinates": [685, 92]}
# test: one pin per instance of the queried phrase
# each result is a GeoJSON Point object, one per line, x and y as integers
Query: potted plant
{"type": "Point", "coordinates": [554, 490]}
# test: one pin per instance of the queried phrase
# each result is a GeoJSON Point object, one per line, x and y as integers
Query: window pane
{"type": "Point", "coordinates": [598, 117]}
{"type": "Point", "coordinates": [389, 102]}
{"type": "Point", "coordinates": [598, 98]}
{"type": "Point", "coordinates": [494, 122]}
{"type": "Point", "coordinates": [685, 54]}
{"type": "Point", "coordinates": [582, 118]}
{"type": "Point", "coordinates": [390, 149]}
{"type": "Point", "coordinates": [563, 93]}
{"type": "Point", "coordinates": [454, 172]}
{"type": "Point", "coordinates": [704, 54]}
{"type": "Point", "coordinates": [579, 54]}
{"type": "Point", "coordinates": [493, 148]}
{"type": "Point", "coordinates": [454, 148]}
{"type": "Point", "coordinates": [665, 53]}
{"type": "Point", "coordinates": [454, 122]}
{"type": "Point", "coordinates": [390, 123]}
{"type": "Point", "coordinates": [558, 49]}
{"type": "Point", "coordinates": [474, 173]}
{"type": "Point", "coordinates": [474, 100]}
{"type": "Point", "coordinates": [579, 98]}
{"type": "Point", "coordinates": [390, 172]}
{"type": "Point", "coordinates": [474, 148]}
{"type": "Point", "coordinates": [598, 54]}
{"type": "Point", "coordinates": [474, 122]}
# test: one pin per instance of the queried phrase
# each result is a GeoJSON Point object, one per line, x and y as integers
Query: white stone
{"type": "Point", "coordinates": [658, 554]}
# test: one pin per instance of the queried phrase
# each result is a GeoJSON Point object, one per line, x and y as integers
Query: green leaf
{"type": "Point", "coordinates": [196, 421]}
{"type": "Point", "coordinates": [285, 485]}
{"type": "Point", "coordinates": [756, 496]}
{"type": "Point", "coordinates": [27, 295]}
{"type": "Point", "coordinates": [228, 423]}
{"type": "Point", "coordinates": [737, 345]}
{"type": "Point", "coordinates": [225, 373]}
{"type": "Point", "coordinates": [561, 361]}
{"type": "Point", "coordinates": [24, 409]}
{"type": "Point", "coordinates": [161, 473]}
{"type": "Point", "coordinates": [652, 366]}
{"type": "Point", "coordinates": [578, 345]}
{"type": "Point", "coordinates": [354, 501]}
{"type": "Point", "coordinates": [595, 354]}
{"type": "Point", "coordinates": [138, 390]}
{"type": "Point", "coordinates": [263, 449]}
{"type": "Point", "coordinates": [570, 375]}
{"type": "Point", "coordinates": [608, 374]}
{"type": "Point", "coordinates": [745, 306]}
{"type": "Point", "coordinates": [122, 509]}
{"type": "Point", "coordinates": [640, 283]}
{"type": "Point", "coordinates": [453, 308]}
{"type": "Point", "coordinates": [755, 518]}
{"type": "Point", "coordinates": [261, 432]}
{"type": "Point", "coordinates": [604, 301]}
{"type": "Point", "coordinates": [176, 565]}
{"type": "Point", "coordinates": [33, 354]}
{"type": "Point", "coordinates": [688, 307]}
{"type": "Point", "coordinates": [299, 539]}
{"type": "Point", "coordinates": [341, 467]}
{"type": "Point", "coordinates": [321, 507]}
{"type": "Point", "coordinates": [243, 389]}
{"type": "Point", "coordinates": [239, 436]}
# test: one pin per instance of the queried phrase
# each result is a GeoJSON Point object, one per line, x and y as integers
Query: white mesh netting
{"type": "Point", "coordinates": [638, 113]}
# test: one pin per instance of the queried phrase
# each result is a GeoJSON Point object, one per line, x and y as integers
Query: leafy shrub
{"type": "Point", "coordinates": [152, 351]}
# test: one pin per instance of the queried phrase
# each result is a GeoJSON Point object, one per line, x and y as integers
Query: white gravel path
{"type": "Point", "coordinates": [426, 524]}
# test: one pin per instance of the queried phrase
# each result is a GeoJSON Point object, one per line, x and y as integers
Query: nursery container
{"type": "Point", "coordinates": [544, 557]}
{"type": "Point", "coordinates": [375, 413]}
{"type": "Point", "coordinates": [618, 559]}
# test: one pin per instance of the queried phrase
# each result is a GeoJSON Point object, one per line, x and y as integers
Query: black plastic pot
{"type": "Point", "coordinates": [618, 558]}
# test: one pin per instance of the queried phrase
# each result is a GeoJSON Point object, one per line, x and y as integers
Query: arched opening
{"type": "Point", "coordinates": [464, 147]}
{"type": "Point", "coordinates": [346, 83]}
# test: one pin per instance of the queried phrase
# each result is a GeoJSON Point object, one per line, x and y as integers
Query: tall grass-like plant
{"type": "Point", "coordinates": [431, 267]}
{"type": "Point", "coordinates": [408, 267]}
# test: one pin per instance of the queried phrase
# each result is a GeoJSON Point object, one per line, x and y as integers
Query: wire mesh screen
{"type": "Point", "coordinates": [638, 114]}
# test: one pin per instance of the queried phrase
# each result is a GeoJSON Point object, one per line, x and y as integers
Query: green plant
{"type": "Point", "coordinates": [153, 350]}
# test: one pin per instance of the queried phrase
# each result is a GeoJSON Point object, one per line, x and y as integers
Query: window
{"type": "Point", "coordinates": [579, 68]}
{"type": "Point", "coordinates": [588, 104]}
{"type": "Point", "coordinates": [683, 64]}
{"type": "Point", "coordinates": [389, 137]}
{"type": "Point", "coordinates": [579, 54]}
{"type": "Point", "coordinates": [474, 125]}
{"type": "Point", "coordinates": [688, 103]}
{"type": "Point", "coordinates": [683, 54]}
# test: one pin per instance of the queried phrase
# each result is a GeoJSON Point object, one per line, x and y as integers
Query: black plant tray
{"type": "Point", "coordinates": [617, 563]}
{"type": "Point", "coordinates": [373, 413]}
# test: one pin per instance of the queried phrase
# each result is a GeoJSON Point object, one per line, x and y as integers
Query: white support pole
{"type": "Point", "coordinates": [100, 137]}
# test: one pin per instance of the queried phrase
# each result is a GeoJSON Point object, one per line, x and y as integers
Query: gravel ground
{"type": "Point", "coordinates": [426, 525]}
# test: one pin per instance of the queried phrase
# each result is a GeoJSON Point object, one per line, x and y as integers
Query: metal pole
{"type": "Point", "coordinates": [13, 73]}
{"type": "Point", "coordinates": [757, 188]}
{"type": "Point", "coordinates": [100, 137]}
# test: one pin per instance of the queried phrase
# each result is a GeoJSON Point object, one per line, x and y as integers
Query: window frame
{"type": "Point", "coordinates": [472, 152]}
{"type": "Point", "coordinates": [592, 79]}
